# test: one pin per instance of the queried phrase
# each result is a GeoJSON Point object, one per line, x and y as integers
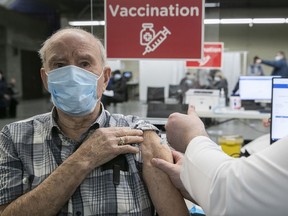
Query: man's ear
{"type": "Point", "coordinates": [44, 78]}
{"type": "Point", "coordinates": [106, 75]}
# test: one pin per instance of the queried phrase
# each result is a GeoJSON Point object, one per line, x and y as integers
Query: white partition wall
{"type": "Point", "coordinates": [159, 74]}
{"type": "Point", "coordinates": [233, 62]}
{"type": "Point", "coordinates": [114, 64]}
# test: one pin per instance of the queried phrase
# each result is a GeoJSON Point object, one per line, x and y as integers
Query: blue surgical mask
{"type": "Point", "coordinates": [117, 76]}
{"type": "Point", "coordinates": [73, 90]}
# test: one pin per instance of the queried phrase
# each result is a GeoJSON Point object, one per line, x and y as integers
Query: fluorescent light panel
{"type": "Point", "coordinates": [87, 23]}
{"type": "Point", "coordinates": [212, 5]}
{"type": "Point", "coordinates": [247, 21]}
{"type": "Point", "coordinates": [206, 21]}
{"type": "Point", "coordinates": [236, 21]}
{"type": "Point", "coordinates": [271, 20]}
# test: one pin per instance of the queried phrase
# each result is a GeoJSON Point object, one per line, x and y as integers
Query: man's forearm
{"type": "Point", "coordinates": [166, 198]}
{"type": "Point", "coordinates": [51, 195]}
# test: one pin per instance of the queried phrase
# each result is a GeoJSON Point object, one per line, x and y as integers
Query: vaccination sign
{"type": "Point", "coordinates": [212, 58]}
{"type": "Point", "coordinates": [163, 29]}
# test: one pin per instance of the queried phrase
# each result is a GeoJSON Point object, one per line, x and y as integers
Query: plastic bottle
{"type": "Point", "coordinates": [222, 99]}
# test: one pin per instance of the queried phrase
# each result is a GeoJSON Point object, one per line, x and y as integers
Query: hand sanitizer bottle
{"type": "Point", "coordinates": [222, 99]}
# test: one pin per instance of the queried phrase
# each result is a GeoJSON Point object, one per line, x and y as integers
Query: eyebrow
{"type": "Point", "coordinates": [55, 58]}
{"type": "Point", "coordinates": [86, 56]}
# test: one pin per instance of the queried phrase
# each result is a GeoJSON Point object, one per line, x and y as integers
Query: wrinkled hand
{"type": "Point", "coordinates": [104, 144]}
{"type": "Point", "coordinates": [181, 129]}
{"type": "Point", "coordinates": [173, 171]}
{"type": "Point", "coordinates": [151, 147]}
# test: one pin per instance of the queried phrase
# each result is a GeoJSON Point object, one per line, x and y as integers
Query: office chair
{"type": "Point", "coordinates": [174, 91]}
{"type": "Point", "coordinates": [161, 110]}
{"type": "Point", "coordinates": [155, 95]}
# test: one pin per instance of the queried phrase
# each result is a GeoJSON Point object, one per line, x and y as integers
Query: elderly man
{"type": "Point", "coordinates": [79, 159]}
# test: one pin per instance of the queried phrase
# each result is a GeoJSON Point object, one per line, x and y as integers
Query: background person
{"type": "Point", "coordinates": [221, 83]}
{"type": "Point", "coordinates": [4, 97]}
{"type": "Point", "coordinates": [280, 67]}
{"type": "Point", "coordinates": [13, 94]}
{"type": "Point", "coordinates": [116, 90]}
{"type": "Point", "coordinates": [220, 184]}
{"type": "Point", "coordinates": [186, 83]}
{"type": "Point", "coordinates": [79, 159]}
{"type": "Point", "coordinates": [255, 69]}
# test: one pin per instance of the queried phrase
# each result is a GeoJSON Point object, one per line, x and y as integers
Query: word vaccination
{"type": "Point", "coordinates": [154, 11]}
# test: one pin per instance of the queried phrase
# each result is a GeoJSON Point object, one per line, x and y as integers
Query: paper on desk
{"type": "Point", "coordinates": [108, 93]}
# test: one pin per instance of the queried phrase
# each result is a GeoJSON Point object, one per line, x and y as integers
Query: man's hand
{"type": "Point", "coordinates": [107, 143]}
{"type": "Point", "coordinates": [173, 171]}
{"type": "Point", "coordinates": [181, 129]}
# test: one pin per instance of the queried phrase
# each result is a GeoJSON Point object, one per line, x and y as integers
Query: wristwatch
{"type": "Point", "coordinates": [146, 127]}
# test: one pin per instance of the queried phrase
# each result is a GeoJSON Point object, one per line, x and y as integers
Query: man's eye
{"type": "Point", "coordinates": [58, 65]}
{"type": "Point", "coordinates": [85, 64]}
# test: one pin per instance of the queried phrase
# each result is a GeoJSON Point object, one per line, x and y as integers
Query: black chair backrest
{"type": "Point", "coordinates": [161, 110]}
{"type": "Point", "coordinates": [155, 94]}
{"type": "Point", "coordinates": [173, 91]}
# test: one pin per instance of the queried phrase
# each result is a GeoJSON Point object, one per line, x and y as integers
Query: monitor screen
{"type": "Point", "coordinates": [127, 74]}
{"type": "Point", "coordinates": [279, 114]}
{"type": "Point", "coordinates": [255, 88]}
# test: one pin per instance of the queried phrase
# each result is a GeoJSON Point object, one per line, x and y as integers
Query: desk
{"type": "Point", "coordinates": [224, 113]}
{"type": "Point", "coordinates": [228, 113]}
{"type": "Point", "coordinates": [246, 123]}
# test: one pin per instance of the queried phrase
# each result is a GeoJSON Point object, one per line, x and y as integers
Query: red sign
{"type": "Point", "coordinates": [168, 29]}
{"type": "Point", "coordinates": [213, 53]}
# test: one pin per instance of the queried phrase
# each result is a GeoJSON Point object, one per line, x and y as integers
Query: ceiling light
{"type": "Point", "coordinates": [212, 5]}
{"type": "Point", "coordinates": [247, 21]}
{"type": "Point", "coordinates": [236, 21]}
{"type": "Point", "coordinates": [268, 20]}
{"type": "Point", "coordinates": [211, 21]}
{"type": "Point", "coordinates": [87, 23]}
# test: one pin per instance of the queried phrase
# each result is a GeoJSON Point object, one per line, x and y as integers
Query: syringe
{"type": "Point", "coordinates": [157, 40]}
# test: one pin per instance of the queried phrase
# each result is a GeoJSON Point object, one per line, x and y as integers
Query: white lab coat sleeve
{"type": "Point", "coordinates": [221, 185]}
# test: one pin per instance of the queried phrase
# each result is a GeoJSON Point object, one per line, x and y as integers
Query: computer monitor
{"type": "Point", "coordinates": [279, 114]}
{"type": "Point", "coordinates": [256, 88]}
{"type": "Point", "coordinates": [127, 74]}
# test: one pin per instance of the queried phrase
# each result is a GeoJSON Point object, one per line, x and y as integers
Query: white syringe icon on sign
{"type": "Point", "coordinates": [157, 40]}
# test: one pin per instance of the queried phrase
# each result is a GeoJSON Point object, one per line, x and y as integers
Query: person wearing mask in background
{"type": "Point", "coordinates": [116, 91]}
{"type": "Point", "coordinates": [4, 97]}
{"type": "Point", "coordinates": [13, 93]}
{"type": "Point", "coordinates": [280, 66]}
{"type": "Point", "coordinates": [186, 83]}
{"type": "Point", "coordinates": [79, 159]}
{"type": "Point", "coordinates": [220, 184]}
{"type": "Point", "coordinates": [255, 69]}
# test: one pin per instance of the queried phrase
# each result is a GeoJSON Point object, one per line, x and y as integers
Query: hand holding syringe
{"type": "Point", "coordinates": [157, 40]}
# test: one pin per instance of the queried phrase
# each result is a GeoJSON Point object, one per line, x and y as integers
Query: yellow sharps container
{"type": "Point", "coordinates": [231, 144]}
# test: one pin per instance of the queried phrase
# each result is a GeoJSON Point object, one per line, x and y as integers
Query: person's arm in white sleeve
{"type": "Point", "coordinates": [222, 185]}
